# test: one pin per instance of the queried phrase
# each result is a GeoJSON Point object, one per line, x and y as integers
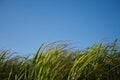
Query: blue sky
{"type": "Point", "coordinates": [26, 24]}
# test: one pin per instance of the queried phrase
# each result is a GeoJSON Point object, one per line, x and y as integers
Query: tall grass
{"type": "Point", "coordinates": [57, 62]}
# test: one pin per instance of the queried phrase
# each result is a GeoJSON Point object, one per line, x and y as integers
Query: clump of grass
{"type": "Point", "coordinates": [57, 62]}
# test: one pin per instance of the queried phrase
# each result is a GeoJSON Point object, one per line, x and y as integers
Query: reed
{"type": "Point", "coordinates": [58, 62]}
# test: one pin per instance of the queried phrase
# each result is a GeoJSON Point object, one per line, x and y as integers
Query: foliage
{"type": "Point", "coordinates": [57, 62]}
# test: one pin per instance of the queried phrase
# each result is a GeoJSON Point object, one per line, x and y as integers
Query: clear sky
{"type": "Point", "coordinates": [26, 24]}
